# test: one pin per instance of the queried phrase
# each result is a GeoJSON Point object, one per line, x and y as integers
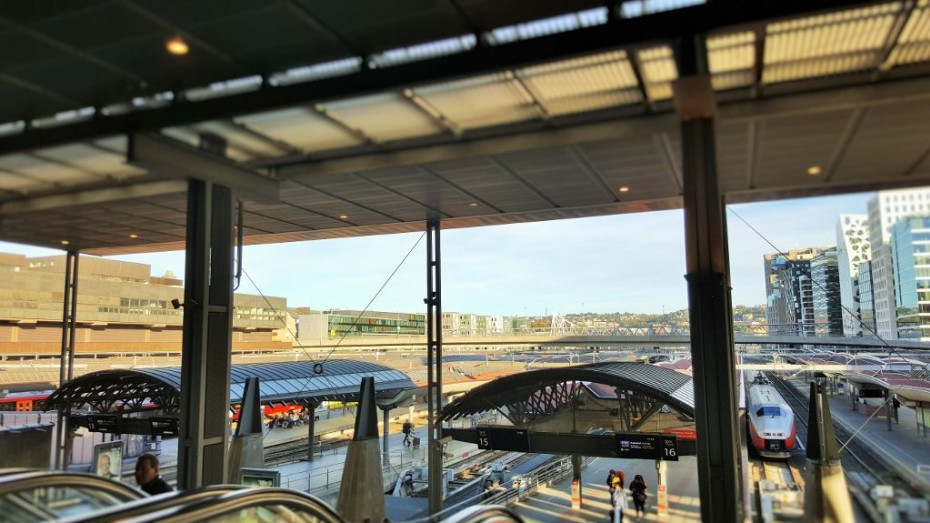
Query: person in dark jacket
{"type": "Point", "coordinates": [147, 476]}
{"type": "Point", "coordinates": [638, 488]}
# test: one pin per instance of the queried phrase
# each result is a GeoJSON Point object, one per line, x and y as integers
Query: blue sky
{"type": "Point", "coordinates": [627, 263]}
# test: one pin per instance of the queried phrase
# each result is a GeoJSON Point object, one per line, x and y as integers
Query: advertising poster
{"type": "Point", "coordinates": [108, 460]}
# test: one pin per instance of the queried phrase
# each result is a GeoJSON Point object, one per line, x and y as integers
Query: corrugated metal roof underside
{"type": "Point", "coordinates": [761, 149]}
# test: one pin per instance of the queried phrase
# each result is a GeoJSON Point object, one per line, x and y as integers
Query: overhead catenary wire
{"type": "Point", "coordinates": [322, 374]}
{"type": "Point", "coordinates": [890, 349]}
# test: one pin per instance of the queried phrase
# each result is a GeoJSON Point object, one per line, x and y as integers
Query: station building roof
{"type": "Point", "coordinates": [344, 122]}
{"type": "Point", "coordinates": [298, 381]}
{"type": "Point", "coordinates": [672, 388]}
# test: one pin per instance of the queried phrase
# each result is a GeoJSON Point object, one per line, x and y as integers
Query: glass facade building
{"type": "Point", "coordinates": [910, 255]}
{"type": "Point", "coordinates": [828, 310]}
{"type": "Point", "coordinates": [866, 300]}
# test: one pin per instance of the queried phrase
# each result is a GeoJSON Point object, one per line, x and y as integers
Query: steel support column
{"type": "Point", "coordinates": [434, 363]}
{"type": "Point", "coordinates": [712, 349]}
{"type": "Point", "coordinates": [311, 429]}
{"type": "Point", "coordinates": [68, 319]}
{"type": "Point", "coordinates": [66, 365]}
{"type": "Point", "coordinates": [385, 444]}
{"type": "Point", "coordinates": [205, 356]}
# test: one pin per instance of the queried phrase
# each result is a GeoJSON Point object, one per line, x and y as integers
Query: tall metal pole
{"type": "Point", "coordinates": [434, 363]}
{"type": "Point", "coordinates": [712, 350]}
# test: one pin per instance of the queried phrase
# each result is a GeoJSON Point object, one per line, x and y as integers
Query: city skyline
{"type": "Point", "coordinates": [603, 264]}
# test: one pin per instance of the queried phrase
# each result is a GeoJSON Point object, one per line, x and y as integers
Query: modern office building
{"type": "Point", "coordinates": [121, 308]}
{"type": "Point", "coordinates": [828, 311]}
{"type": "Point", "coordinates": [339, 323]}
{"type": "Point", "coordinates": [789, 291]}
{"type": "Point", "coordinates": [910, 255]}
{"type": "Point", "coordinates": [853, 248]}
{"type": "Point", "coordinates": [884, 210]}
{"type": "Point", "coordinates": [866, 300]}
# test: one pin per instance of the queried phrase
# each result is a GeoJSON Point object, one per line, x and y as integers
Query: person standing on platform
{"type": "Point", "coordinates": [619, 480]}
{"type": "Point", "coordinates": [147, 476]}
{"type": "Point", "coordinates": [638, 489]}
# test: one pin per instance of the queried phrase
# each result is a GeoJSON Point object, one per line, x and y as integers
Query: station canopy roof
{"type": "Point", "coordinates": [370, 117]}
{"type": "Point", "coordinates": [298, 382]}
{"type": "Point", "coordinates": [668, 386]}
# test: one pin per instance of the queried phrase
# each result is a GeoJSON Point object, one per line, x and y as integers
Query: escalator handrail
{"type": "Point", "coordinates": [481, 513]}
{"type": "Point", "coordinates": [242, 499]}
{"type": "Point", "coordinates": [55, 478]}
{"type": "Point", "coordinates": [153, 504]}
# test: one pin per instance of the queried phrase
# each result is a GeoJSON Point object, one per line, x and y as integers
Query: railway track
{"type": "Point", "coordinates": [296, 450]}
{"type": "Point", "coordinates": [863, 466]}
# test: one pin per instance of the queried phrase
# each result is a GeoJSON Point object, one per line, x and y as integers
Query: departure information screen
{"type": "Point", "coordinates": [642, 445]}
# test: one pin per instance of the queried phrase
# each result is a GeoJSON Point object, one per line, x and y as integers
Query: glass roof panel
{"type": "Point", "coordinates": [385, 117]}
{"type": "Point", "coordinates": [300, 127]}
{"type": "Point", "coordinates": [732, 59]}
{"type": "Point", "coordinates": [583, 84]}
{"type": "Point", "coordinates": [829, 44]}
{"type": "Point", "coordinates": [658, 70]}
{"type": "Point", "coordinates": [481, 101]}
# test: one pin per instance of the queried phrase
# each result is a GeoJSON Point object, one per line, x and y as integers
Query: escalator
{"type": "Point", "coordinates": [32, 496]}
{"type": "Point", "coordinates": [252, 505]}
{"type": "Point", "coordinates": [484, 514]}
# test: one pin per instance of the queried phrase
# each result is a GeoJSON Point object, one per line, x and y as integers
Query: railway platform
{"type": "Point", "coordinates": [554, 503]}
{"type": "Point", "coordinates": [902, 445]}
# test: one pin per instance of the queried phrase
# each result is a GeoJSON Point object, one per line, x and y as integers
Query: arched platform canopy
{"type": "Point", "coordinates": [528, 397]}
{"type": "Point", "coordinates": [479, 113]}
{"type": "Point", "coordinates": [135, 390]}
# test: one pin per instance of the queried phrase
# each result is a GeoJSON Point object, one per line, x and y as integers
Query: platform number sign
{"type": "Point", "coordinates": [484, 440]}
{"type": "Point", "coordinates": [669, 447]}
{"type": "Point", "coordinates": [496, 438]}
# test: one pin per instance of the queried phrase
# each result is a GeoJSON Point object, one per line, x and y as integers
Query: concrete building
{"type": "Point", "coordinates": [121, 308]}
{"type": "Point", "coordinates": [789, 291]}
{"type": "Point", "coordinates": [884, 210]}
{"type": "Point", "coordinates": [910, 254]}
{"type": "Point", "coordinates": [853, 248]}
{"type": "Point", "coordinates": [828, 311]}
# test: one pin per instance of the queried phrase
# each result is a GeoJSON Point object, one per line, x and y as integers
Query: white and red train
{"type": "Point", "coordinates": [772, 431]}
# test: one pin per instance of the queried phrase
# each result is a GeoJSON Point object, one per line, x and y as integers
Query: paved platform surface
{"type": "Point", "coordinates": [554, 504]}
{"type": "Point", "coordinates": [903, 444]}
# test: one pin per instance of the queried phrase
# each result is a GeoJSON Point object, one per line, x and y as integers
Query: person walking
{"type": "Point", "coordinates": [638, 489]}
{"type": "Point", "coordinates": [147, 476]}
{"type": "Point", "coordinates": [407, 429]}
{"type": "Point", "coordinates": [619, 505]}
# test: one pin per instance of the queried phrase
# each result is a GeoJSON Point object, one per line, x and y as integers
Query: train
{"type": "Point", "coordinates": [23, 401]}
{"type": "Point", "coordinates": [772, 430]}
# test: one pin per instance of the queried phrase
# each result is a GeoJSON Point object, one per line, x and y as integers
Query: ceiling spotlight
{"type": "Point", "coordinates": [473, 204]}
{"type": "Point", "coordinates": [177, 46]}
{"type": "Point", "coordinates": [65, 242]}
{"type": "Point", "coordinates": [133, 236]}
{"type": "Point", "coordinates": [343, 216]}
{"type": "Point", "coordinates": [814, 170]}
{"type": "Point", "coordinates": [624, 189]}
